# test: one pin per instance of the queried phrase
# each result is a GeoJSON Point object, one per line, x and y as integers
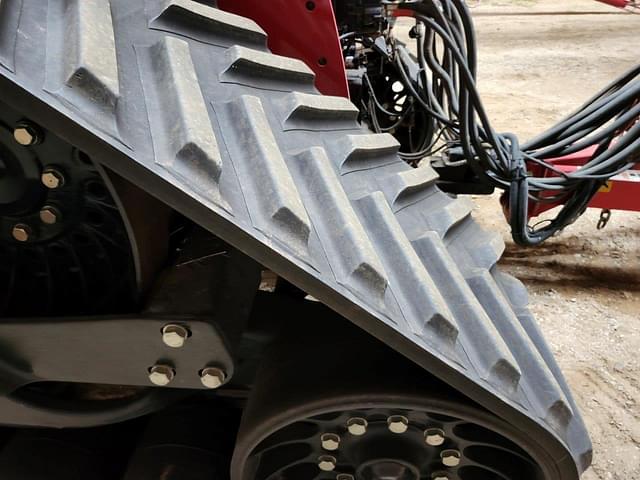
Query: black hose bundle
{"type": "Point", "coordinates": [444, 85]}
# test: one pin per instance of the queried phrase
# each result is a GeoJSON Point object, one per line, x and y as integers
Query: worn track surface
{"type": "Point", "coordinates": [186, 101]}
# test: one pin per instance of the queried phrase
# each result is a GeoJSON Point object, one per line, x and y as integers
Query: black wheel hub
{"type": "Point", "coordinates": [64, 247]}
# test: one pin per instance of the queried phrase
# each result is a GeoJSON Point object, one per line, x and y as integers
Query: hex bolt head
{"type": "Point", "coordinates": [398, 424]}
{"type": "Point", "coordinates": [52, 178]}
{"type": "Point", "coordinates": [345, 476]}
{"type": "Point", "coordinates": [212, 377]}
{"type": "Point", "coordinates": [357, 426]}
{"type": "Point", "coordinates": [434, 437]}
{"type": "Point", "coordinates": [21, 232]}
{"type": "Point", "coordinates": [439, 476]}
{"type": "Point", "coordinates": [450, 458]}
{"type": "Point", "coordinates": [174, 335]}
{"type": "Point", "coordinates": [161, 375]}
{"type": "Point", "coordinates": [49, 215]}
{"type": "Point", "coordinates": [327, 463]}
{"type": "Point", "coordinates": [26, 135]}
{"type": "Point", "coordinates": [330, 441]}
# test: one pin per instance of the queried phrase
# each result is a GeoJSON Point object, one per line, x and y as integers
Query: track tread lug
{"type": "Point", "coordinates": [367, 151]}
{"type": "Point", "coordinates": [349, 250]}
{"type": "Point", "coordinates": [404, 188]}
{"type": "Point", "coordinates": [253, 68]}
{"type": "Point", "coordinates": [278, 204]}
{"type": "Point", "coordinates": [205, 23]}
{"type": "Point", "coordinates": [184, 143]}
{"type": "Point", "coordinates": [304, 111]}
{"type": "Point", "coordinates": [9, 21]}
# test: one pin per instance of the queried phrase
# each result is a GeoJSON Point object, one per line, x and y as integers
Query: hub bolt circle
{"type": "Point", "coordinates": [174, 336]}
{"type": "Point", "coordinates": [434, 437]}
{"type": "Point", "coordinates": [161, 375]}
{"type": "Point", "coordinates": [327, 463]}
{"type": "Point", "coordinates": [212, 377]}
{"type": "Point", "coordinates": [330, 441]}
{"type": "Point", "coordinates": [52, 178]}
{"type": "Point", "coordinates": [357, 426]}
{"type": "Point", "coordinates": [21, 232]}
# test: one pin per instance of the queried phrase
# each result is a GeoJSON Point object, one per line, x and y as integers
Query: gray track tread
{"type": "Point", "coordinates": [290, 179]}
{"type": "Point", "coordinates": [302, 111]}
{"type": "Point", "coordinates": [349, 251]}
{"type": "Point", "coordinates": [278, 205]}
{"type": "Point", "coordinates": [204, 23]}
{"type": "Point", "coordinates": [184, 143]}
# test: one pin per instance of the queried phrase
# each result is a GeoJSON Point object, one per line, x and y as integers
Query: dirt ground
{"type": "Point", "coordinates": [584, 284]}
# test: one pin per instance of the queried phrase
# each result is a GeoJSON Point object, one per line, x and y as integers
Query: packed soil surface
{"type": "Point", "coordinates": [584, 284]}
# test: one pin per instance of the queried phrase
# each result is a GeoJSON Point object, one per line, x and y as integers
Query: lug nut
{"type": "Point", "coordinates": [52, 178]}
{"type": "Point", "coordinates": [450, 458]}
{"type": "Point", "coordinates": [330, 441]}
{"type": "Point", "coordinates": [345, 476]}
{"type": "Point", "coordinates": [21, 232]}
{"type": "Point", "coordinates": [49, 215]}
{"type": "Point", "coordinates": [161, 375]}
{"type": "Point", "coordinates": [327, 463]}
{"type": "Point", "coordinates": [26, 135]}
{"type": "Point", "coordinates": [174, 336]}
{"type": "Point", "coordinates": [439, 476]}
{"type": "Point", "coordinates": [398, 424]}
{"type": "Point", "coordinates": [357, 426]}
{"type": "Point", "coordinates": [434, 437]}
{"type": "Point", "coordinates": [212, 377]}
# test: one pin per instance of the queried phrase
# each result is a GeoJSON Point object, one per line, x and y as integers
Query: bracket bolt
{"type": "Point", "coordinates": [398, 424]}
{"type": "Point", "coordinates": [49, 215]}
{"type": "Point", "coordinates": [21, 232]}
{"type": "Point", "coordinates": [212, 377]}
{"type": "Point", "coordinates": [330, 441]}
{"type": "Point", "coordinates": [327, 463]}
{"type": "Point", "coordinates": [52, 178]}
{"type": "Point", "coordinates": [450, 458]}
{"type": "Point", "coordinates": [161, 375]}
{"type": "Point", "coordinates": [434, 437]}
{"type": "Point", "coordinates": [357, 426]}
{"type": "Point", "coordinates": [174, 336]}
{"type": "Point", "coordinates": [26, 135]}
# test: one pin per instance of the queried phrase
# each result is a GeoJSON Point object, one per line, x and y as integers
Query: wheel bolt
{"type": "Point", "coordinates": [327, 463]}
{"type": "Point", "coordinates": [49, 215]}
{"type": "Point", "coordinates": [357, 426]}
{"type": "Point", "coordinates": [398, 424]}
{"type": "Point", "coordinates": [161, 375]}
{"type": "Point", "coordinates": [434, 437]}
{"type": "Point", "coordinates": [26, 135]}
{"type": "Point", "coordinates": [174, 336]}
{"type": "Point", "coordinates": [52, 178]}
{"type": "Point", "coordinates": [330, 441]}
{"type": "Point", "coordinates": [21, 232]}
{"type": "Point", "coordinates": [450, 458]}
{"type": "Point", "coordinates": [345, 476]}
{"type": "Point", "coordinates": [439, 476]}
{"type": "Point", "coordinates": [212, 377]}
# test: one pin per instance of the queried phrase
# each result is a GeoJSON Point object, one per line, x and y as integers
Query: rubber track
{"type": "Point", "coordinates": [245, 146]}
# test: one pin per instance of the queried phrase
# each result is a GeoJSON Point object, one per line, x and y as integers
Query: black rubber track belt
{"type": "Point", "coordinates": [186, 101]}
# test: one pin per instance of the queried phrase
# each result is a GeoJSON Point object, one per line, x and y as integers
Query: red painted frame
{"type": "Point", "coordinates": [306, 29]}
